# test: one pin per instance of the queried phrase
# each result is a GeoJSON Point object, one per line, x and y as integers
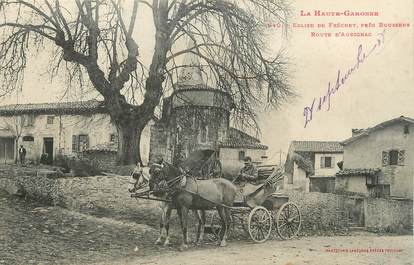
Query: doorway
{"type": "Point", "coordinates": [7, 145]}
{"type": "Point", "coordinates": [356, 212]}
{"type": "Point", "coordinates": [48, 150]}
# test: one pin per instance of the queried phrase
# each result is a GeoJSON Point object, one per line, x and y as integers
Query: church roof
{"type": "Point", "coordinates": [239, 139]}
{"type": "Point", "coordinates": [191, 75]}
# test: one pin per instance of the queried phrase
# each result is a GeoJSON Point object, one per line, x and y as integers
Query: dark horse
{"type": "Point", "coordinates": [140, 182]}
{"type": "Point", "coordinates": [187, 193]}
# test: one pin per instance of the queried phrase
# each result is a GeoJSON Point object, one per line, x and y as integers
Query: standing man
{"type": "Point", "coordinates": [22, 154]}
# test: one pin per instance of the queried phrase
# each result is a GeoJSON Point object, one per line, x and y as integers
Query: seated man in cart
{"type": "Point", "coordinates": [246, 179]}
{"type": "Point", "coordinates": [249, 172]}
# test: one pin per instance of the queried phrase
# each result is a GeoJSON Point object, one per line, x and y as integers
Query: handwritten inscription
{"type": "Point", "coordinates": [324, 101]}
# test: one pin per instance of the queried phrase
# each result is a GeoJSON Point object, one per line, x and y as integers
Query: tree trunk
{"type": "Point", "coordinates": [16, 150]}
{"type": "Point", "coordinates": [129, 137]}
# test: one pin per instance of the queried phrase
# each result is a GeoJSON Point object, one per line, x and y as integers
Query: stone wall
{"type": "Point", "coordinates": [159, 143]}
{"type": "Point", "coordinates": [392, 215]}
{"type": "Point", "coordinates": [323, 184]}
{"type": "Point", "coordinates": [105, 161]}
{"type": "Point", "coordinates": [78, 193]}
{"type": "Point", "coordinates": [321, 212]}
{"type": "Point", "coordinates": [333, 212]}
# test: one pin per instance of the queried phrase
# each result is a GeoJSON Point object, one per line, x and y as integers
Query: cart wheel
{"type": "Point", "coordinates": [260, 224]}
{"type": "Point", "coordinates": [288, 220]}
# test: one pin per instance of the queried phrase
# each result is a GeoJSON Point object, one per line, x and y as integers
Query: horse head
{"type": "Point", "coordinates": [139, 178]}
{"type": "Point", "coordinates": [161, 176]}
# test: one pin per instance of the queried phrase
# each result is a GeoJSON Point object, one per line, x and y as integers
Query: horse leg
{"type": "Point", "coordinates": [228, 218]}
{"type": "Point", "coordinates": [162, 222]}
{"type": "Point", "coordinates": [167, 225]}
{"type": "Point", "coordinates": [197, 214]}
{"type": "Point", "coordinates": [223, 232]}
{"type": "Point", "coordinates": [183, 220]}
{"type": "Point", "coordinates": [201, 217]}
{"type": "Point", "coordinates": [200, 238]}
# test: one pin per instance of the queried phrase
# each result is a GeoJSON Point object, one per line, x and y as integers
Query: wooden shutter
{"type": "Point", "coordinates": [322, 161]}
{"type": "Point", "coordinates": [385, 158]}
{"type": "Point", "coordinates": [83, 141]}
{"type": "Point", "coordinates": [87, 141]}
{"type": "Point", "coordinates": [241, 155]}
{"type": "Point", "coordinates": [332, 161]}
{"type": "Point", "coordinates": [401, 157]}
{"type": "Point", "coordinates": [75, 144]}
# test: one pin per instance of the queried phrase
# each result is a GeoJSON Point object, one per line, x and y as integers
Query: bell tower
{"type": "Point", "coordinates": [199, 117]}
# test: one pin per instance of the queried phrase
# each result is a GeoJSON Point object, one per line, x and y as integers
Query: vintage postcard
{"type": "Point", "coordinates": [206, 132]}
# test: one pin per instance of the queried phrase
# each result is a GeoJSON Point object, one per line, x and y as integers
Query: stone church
{"type": "Point", "coordinates": [197, 117]}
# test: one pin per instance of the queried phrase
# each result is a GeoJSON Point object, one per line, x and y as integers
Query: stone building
{"type": "Point", "coordinates": [59, 128]}
{"type": "Point", "coordinates": [311, 165]}
{"type": "Point", "coordinates": [197, 117]}
{"type": "Point", "coordinates": [379, 161]}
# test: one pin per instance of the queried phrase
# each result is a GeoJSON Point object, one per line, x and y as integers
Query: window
{"type": "Point", "coordinates": [393, 157]}
{"type": "Point", "coordinates": [203, 134]}
{"type": "Point", "coordinates": [74, 143]}
{"type": "Point", "coordinates": [406, 129]}
{"type": "Point", "coordinates": [50, 119]}
{"type": "Point", "coordinates": [28, 138]}
{"type": "Point", "coordinates": [80, 142]}
{"type": "Point", "coordinates": [29, 120]}
{"type": "Point", "coordinates": [112, 138]}
{"type": "Point", "coordinates": [327, 162]}
{"type": "Point", "coordinates": [393, 154]}
{"type": "Point", "coordinates": [242, 155]}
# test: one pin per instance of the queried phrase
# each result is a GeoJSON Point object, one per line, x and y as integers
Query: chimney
{"type": "Point", "coordinates": [355, 132]}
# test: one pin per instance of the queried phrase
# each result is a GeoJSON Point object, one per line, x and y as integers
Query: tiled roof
{"type": "Point", "coordinates": [239, 139]}
{"type": "Point", "coordinates": [77, 107]}
{"type": "Point", "coordinates": [358, 172]}
{"type": "Point", "coordinates": [237, 143]}
{"type": "Point", "coordinates": [363, 133]}
{"type": "Point", "coordinates": [317, 146]}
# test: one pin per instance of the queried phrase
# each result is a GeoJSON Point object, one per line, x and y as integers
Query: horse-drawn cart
{"type": "Point", "coordinates": [262, 211]}
{"type": "Point", "coordinates": [276, 213]}
{"type": "Point", "coordinates": [257, 211]}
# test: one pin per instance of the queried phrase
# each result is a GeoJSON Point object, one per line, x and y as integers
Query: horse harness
{"type": "Point", "coordinates": [173, 189]}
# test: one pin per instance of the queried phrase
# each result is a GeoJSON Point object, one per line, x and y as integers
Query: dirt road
{"type": "Point", "coordinates": [31, 233]}
{"type": "Point", "coordinates": [364, 249]}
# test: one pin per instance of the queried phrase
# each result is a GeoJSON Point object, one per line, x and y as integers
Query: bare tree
{"type": "Point", "coordinates": [94, 44]}
{"type": "Point", "coordinates": [15, 125]}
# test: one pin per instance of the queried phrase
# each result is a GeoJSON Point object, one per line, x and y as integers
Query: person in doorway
{"type": "Point", "coordinates": [22, 154]}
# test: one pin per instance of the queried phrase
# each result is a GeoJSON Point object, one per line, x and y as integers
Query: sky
{"type": "Point", "coordinates": [381, 88]}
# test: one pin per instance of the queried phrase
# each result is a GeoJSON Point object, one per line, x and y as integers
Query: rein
{"type": "Point", "coordinates": [173, 182]}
